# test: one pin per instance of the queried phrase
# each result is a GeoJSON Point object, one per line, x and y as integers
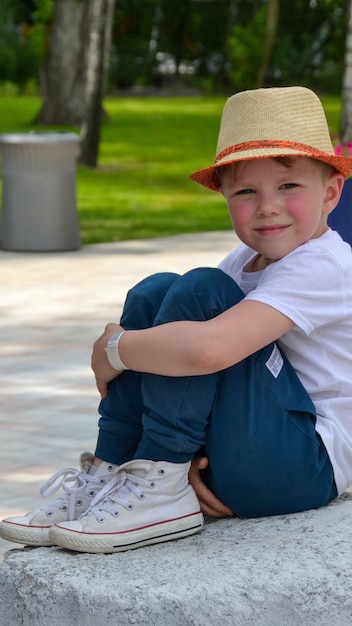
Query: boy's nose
{"type": "Point", "coordinates": [267, 205]}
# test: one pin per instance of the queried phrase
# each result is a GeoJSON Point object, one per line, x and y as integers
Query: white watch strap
{"type": "Point", "coordinates": [112, 351]}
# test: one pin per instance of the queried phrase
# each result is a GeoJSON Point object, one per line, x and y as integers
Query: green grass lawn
{"type": "Point", "coordinates": [148, 148]}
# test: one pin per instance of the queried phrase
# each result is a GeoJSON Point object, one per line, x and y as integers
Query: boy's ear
{"type": "Point", "coordinates": [333, 192]}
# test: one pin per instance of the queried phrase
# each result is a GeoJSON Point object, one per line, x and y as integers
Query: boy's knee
{"type": "Point", "coordinates": [205, 277]}
{"type": "Point", "coordinates": [161, 281]}
{"type": "Point", "coordinates": [201, 293]}
{"type": "Point", "coordinates": [153, 288]}
{"type": "Point", "coordinates": [210, 281]}
{"type": "Point", "coordinates": [144, 300]}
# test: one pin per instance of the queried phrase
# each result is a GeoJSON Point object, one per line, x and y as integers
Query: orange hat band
{"type": "Point", "coordinates": [271, 143]}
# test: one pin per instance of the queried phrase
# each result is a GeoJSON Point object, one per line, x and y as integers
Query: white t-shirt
{"type": "Point", "coordinates": [313, 287]}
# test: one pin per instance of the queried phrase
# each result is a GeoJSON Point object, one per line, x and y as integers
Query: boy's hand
{"type": "Point", "coordinates": [209, 504]}
{"type": "Point", "coordinates": [103, 371]}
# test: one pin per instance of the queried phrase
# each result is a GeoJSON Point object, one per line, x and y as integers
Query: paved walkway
{"type": "Point", "coordinates": [52, 307]}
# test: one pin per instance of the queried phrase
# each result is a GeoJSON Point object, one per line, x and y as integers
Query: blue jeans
{"type": "Point", "coordinates": [257, 429]}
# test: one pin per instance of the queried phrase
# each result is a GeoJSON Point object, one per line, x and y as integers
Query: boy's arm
{"type": "Point", "coordinates": [189, 348]}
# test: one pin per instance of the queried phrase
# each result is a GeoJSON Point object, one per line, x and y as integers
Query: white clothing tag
{"type": "Point", "coordinates": [275, 362]}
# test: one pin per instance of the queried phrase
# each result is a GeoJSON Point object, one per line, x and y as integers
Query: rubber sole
{"type": "Point", "coordinates": [26, 535]}
{"type": "Point", "coordinates": [107, 543]}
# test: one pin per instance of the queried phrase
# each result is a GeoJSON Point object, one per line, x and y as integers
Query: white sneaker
{"type": "Point", "coordinates": [151, 502]}
{"type": "Point", "coordinates": [79, 489]}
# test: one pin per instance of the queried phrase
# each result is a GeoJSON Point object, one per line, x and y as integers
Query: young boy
{"type": "Point", "coordinates": [244, 370]}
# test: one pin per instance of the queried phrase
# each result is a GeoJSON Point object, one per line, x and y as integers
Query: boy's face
{"type": "Point", "coordinates": [275, 208]}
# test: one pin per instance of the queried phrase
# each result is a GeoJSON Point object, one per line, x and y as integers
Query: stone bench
{"type": "Point", "coordinates": [289, 570]}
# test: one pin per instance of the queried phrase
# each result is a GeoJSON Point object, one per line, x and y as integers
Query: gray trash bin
{"type": "Point", "coordinates": [39, 192]}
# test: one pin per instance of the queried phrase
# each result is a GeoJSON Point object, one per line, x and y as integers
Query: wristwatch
{"type": "Point", "coordinates": [112, 352]}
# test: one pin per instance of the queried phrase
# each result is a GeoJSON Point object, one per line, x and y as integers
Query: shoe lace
{"type": "Point", "coordinates": [72, 482]}
{"type": "Point", "coordinates": [116, 493]}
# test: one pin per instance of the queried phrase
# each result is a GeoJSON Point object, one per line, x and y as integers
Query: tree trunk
{"type": "Point", "coordinates": [270, 34]}
{"type": "Point", "coordinates": [346, 114]}
{"type": "Point", "coordinates": [98, 36]}
{"type": "Point", "coordinates": [63, 75]}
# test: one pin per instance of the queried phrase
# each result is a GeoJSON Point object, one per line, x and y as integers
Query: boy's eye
{"type": "Point", "coordinates": [245, 191]}
{"type": "Point", "coordinates": [288, 185]}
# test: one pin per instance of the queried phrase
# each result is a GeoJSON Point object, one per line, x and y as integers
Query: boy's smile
{"type": "Point", "coordinates": [275, 207]}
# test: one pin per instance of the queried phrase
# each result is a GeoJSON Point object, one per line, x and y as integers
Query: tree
{"type": "Point", "coordinates": [346, 114]}
{"type": "Point", "coordinates": [99, 23]}
{"type": "Point", "coordinates": [310, 55]}
{"type": "Point", "coordinates": [79, 33]}
{"type": "Point", "coordinates": [74, 72]}
{"type": "Point", "coordinates": [189, 34]}
{"type": "Point", "coordinates": [134, 42]}
{"type": "Point", "coordinates": [245, 47]}
{"type": "Point", "coordinates": [272, 19]}
{"type": "Point", "coordinates": [62, 76]}
{"type": "Point", "coordinates": [20, 47]}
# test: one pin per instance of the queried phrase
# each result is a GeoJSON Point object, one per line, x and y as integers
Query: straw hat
{"type": "Point", "coordinates": [280, 121]}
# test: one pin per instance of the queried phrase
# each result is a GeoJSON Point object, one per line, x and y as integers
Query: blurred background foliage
{"type": "Point", "coordinates": [212, 46]}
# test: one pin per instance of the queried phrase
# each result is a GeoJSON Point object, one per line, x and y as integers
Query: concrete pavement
{"type": "Point", "coordinates": [52, 308]}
